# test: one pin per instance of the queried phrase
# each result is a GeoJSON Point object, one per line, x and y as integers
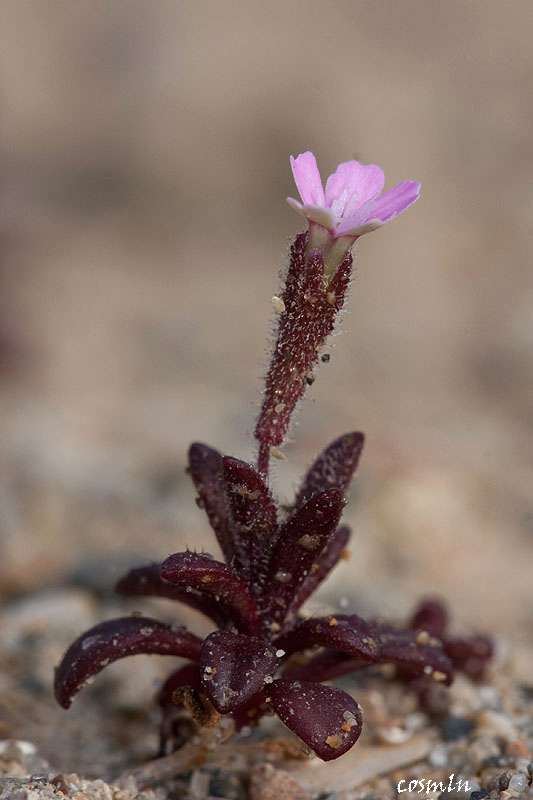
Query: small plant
{"type": "Point", "coordinates": [274, 559]}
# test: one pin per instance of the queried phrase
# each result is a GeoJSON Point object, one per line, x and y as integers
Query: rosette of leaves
{"type": "Point", "coordinates": [263, 656]}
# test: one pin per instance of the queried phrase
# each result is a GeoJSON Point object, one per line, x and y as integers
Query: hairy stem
{"type": "Point", "coordinates": [310, 304]}
{"type": "Point", "coordinates": [263, 460]}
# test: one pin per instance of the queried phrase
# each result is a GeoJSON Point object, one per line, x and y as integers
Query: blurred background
{"type": "Point", "coordinates": [143, 174]}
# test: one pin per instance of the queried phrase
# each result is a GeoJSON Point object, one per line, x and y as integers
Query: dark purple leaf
{"type": "Point", "coordinates": [202, 573]}
{"type": "Point", "coordinates": [206, 469]}
{"type": "Point", "coordinates": [115, 639]}
{"type": "Point", "coordinates": [406, 650]}
{"type": "Point", "coordinates": [328, 720]}
{"type": "Point", "coordinates": [250, 713]}
{"type": "Point", "coordinates": [333, 468]}
{"type": "Point", "coordinates": [325, 666]}
{"type": "Point", "coordinates": [365, 642]}
{"type": "Point", "coordinates": [331, 554]}
{"type": "Point", "coordinates": [469, 654]}
{"type": "Point", "coordinates": [347, 634]}
{"type": "Point", "coordinates": [234, 668]}
{"type": "Point", "coordinates": [176, 726]}
{"type": "Point", "coordinates": [187, 675]}
{"type": "Point", "coordinates": [301, 540]}
{"type": "Point", "coordinates": [430, 615]}
{"type": "Point", "coordinates": [311, 309]}
{"type": "Point", "coordinates": [254, 519]}
{"type": "Point", "coordinates": [146, 582]}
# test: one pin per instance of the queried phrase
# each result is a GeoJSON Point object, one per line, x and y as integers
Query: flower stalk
{"type": "Point", "coordinates": [312, 302]}
{"type": "Point", "coordinates": [318, 279]}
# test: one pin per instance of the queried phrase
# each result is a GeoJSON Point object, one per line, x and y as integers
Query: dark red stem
{"type": "Point", "coordinates": [311, 301]}
{"type": "Point", "coordinates": [263, 460]}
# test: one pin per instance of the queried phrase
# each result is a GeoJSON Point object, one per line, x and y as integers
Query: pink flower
{"type": "Point", "coordinates": [352, 203]}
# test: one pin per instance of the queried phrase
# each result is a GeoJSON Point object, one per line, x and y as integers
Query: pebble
{"type": "Point", "coordinates": [438, 756]}
{"type": "Point", "coordinates": [497, 724]}
{"type": "Point", "coordinates": [518, 783]}
{"type": "Point", "coordinates": [40, 788]}
{"type": "Point", "coordinates": [416, 721]}
{"type": "Point", "coordinates": [393, 734]}
{"type": "Point", "coordinates": [199, 785]}
{"type": "Point", "coordinates": [269, 783]}
{"type": "Point", "coordinates": [16, 749]}
{"type": "Point", "coordinates": [482, 751]}
{"type": "Point", "coordinates": [524, 765]}
{"type": "Point", "coordinates": [518, 749]}
{"type": "Point", "coordinates": [20, 758]}
{"type": "Point", "coordinates": [226, 785]}
{"type": "Point", "coordinates": [453, 728]}
{"type": "Point", "coordinates": [490, 697]}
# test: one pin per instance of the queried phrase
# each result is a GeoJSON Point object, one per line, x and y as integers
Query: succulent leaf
{"type": "Point", "coordinates": [301, 541]}
{"type": "Point", "coordinates": [207, 473]}
{"type": "Point", "coordinates": [234, 668]}
{"type": "Point", "coordinates": [324, 666]}
{"type": "Point", "coordinates": [469, 654]}
{"type": "Point", "coordinates": [327, 559]}
{"type": "Point", "coordinates": [327, 719]}
{"type": "Point", "coordinates": [254, 519]}
{"type": "Point", "coordinates": [367, 643]}
{"type": "Point", "coordinates": [187, 675]}
{"type": "Point", "coordinates": [334, 467]}
{"type": "Point", "coordinates": [431, 616]}
{"type": "Point", "coordinates": [147, 582]}
{"type": "Point", "coordinates": [202, 573]}
{"type": "Point", "coordinates": [347, 634]}
{"type": "Point", "coordinates": [115, 639]}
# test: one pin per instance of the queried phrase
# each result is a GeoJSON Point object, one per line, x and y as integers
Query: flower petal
{"type": "Point", "coordinates": [205, 466]}
{"type": "Point", "coordinates": [301, 539]}
{"type": "Point", "coordinates": [203, 573]}
{"type": "Point", "coordinates": [115, 639]}
{"type": "Point", "coordinates": [147, 582]}
{"type": "Point", "coordinates": [377, 212]}
{"type": "Point", "coordinates": [319, 214]}
{"type": "Point", "coordinates": [307, 179]}
{"type": "Point", "coordinates": [334, 467]}
{"type": "Point", "coordinates": [327, 719]}
{"type": "Point", "coordinates": [395, 201]}
{"type": "Point", "coordinates": [353, 184]}
{"type": "Point", "coordinates": [233, 668]}
{"type": "Point", "coordinates": [357, 225]}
